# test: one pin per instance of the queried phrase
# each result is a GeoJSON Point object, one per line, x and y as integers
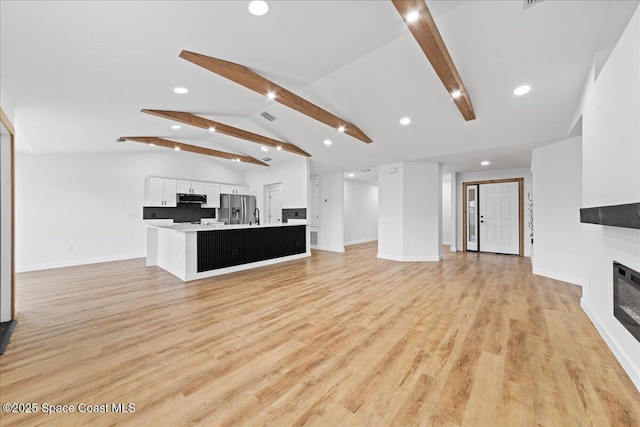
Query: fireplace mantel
{"type": "Point", "coordinates": [627, 215]}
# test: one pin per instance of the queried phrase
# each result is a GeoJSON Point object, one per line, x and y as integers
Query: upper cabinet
{"type": "Point", "coordinates": [190, 187]}
{"type": "Point", "coordinates": [233, 189]}
{"type": "Point", "coordinates": [212, 191]}
{"type": "Point", "coordinates": [160, 192]}
{"type": "Point", "coordinates": [163, 192]}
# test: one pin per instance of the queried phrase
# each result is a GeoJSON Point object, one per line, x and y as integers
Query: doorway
{"type": "Point", "coordinates": [493, 216]}
{"type": "Point", "coordinates": [273, 203]}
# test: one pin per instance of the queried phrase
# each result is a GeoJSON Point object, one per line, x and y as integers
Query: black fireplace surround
{"type": "Point", "coordinates": [627, 215]}
{"type": "Point", "coordinates": [626, 298]}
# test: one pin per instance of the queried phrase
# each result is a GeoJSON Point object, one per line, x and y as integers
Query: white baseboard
{"type": "Point", "coordinates": [446, 243]}
{"type": "Point", "coordinates": [328, 248]}
{"type": "Point", "coordinates": [411, 258]}
{"type": "Point", "coordinates": [356, 242]}
{"type": "Point", "coordinates": [574, 280]}
{"type": "Point", "coordinates": [72, 263]}
{"type": "Point", "coordinates": [625, 361]}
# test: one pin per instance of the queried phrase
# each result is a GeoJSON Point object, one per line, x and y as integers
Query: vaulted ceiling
{"type": "Point", "coordinates": [79, 73]}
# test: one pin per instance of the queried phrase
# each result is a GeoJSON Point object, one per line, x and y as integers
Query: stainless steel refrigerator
{"type": "Point", "coordinates": [237, 209]}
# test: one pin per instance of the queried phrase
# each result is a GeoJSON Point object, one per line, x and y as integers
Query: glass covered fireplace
{"type": "Point", "coordinates": [626, 298]}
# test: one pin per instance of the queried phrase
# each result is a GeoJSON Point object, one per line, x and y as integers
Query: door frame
{"type": "Point", "coordinates": [9, 127]}
{"type": "Point", "coordinates": [520, 182]}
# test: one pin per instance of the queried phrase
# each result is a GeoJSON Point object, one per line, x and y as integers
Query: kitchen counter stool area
{"type": "Point", "coordinates": [195, 252]}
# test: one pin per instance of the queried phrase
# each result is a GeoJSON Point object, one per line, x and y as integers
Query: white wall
{"type": "Point", "coordinates": [390, 202]}
{"type": "Point", "coordinates": [611, 175]}
{"type": "Point", "coordinates": [294, 176]}
{"type": "Point", "coordinates": [360, 212]}
{"type": "Point", "coordinates": [5, 228]}
{"type": "Point", "coordinates": [446, 209]}
{"type": "Point", "coordinates": [331, 228]}
{"type": "Point", "coordinates": [76, 209]}
{"type": "Point", "coordinates": [556, 171]}
{"type": "Point", "coordinates": [485, 176]}
{"type": "Point", "coordinates": [410, 210]}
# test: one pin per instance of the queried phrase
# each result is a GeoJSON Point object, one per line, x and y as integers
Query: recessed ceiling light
{"type": "Point", "coordinates": [176, 127]}
{"type": "Point", "coordinates": [351, 175]}
{"type": "Point", "coordinates": [456, 94]}
{"type": "Point", "coordinates": [271, 95]}
{"type": "Point", "coordinates": [264, 149]}
{"type": "Point", "coordinates": [237, 160]}
{"type": "Point", "coordinates": [180, 90]}
{"type": "Point", "coordinates": [413, 16]}
{"type": "Point", "coordinates": [212, 129]}
{"type": "Point", "coordinates": [405, 121]}
{"type": "Point", "coordinates": [258, 7]}
{"type": "Point", "coordinates": [327, 142]}
{"type": "Point", "coordinates": [521, 90]}
{"type": "Point", "coordinates": [485, 163]}
{"type": "Point", "coordinates": [279, 147]}
{"type": "Point", "coordinates": [341, 129]}
{"type": "Point", "coordinates": [153, 145]}
{"type": "Point", "coordinates": [177, 148]}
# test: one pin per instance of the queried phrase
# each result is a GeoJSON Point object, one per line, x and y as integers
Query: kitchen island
{"type": "Point", "coordinates": [196, 251]}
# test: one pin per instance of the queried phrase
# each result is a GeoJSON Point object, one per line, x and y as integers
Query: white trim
{"type": "Point", "coordinates": [411, 258]}
{"type": "Point", "coordinates": [236, 268]}
{"type": "Point", "coordinates": [357, 242]}
{"type": "Point", "coordinates": [446, 243]}
{"type": "Point", "coordinates": [623, 358]}
{"type": "Point", "coordinates": [574, 280]}
{"type": "Point", "coordinates": [328, 248]}
{"type": "Point", "coordinates": [49, 265]}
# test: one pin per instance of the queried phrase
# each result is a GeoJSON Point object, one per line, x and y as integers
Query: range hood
{"type": "Point", "coordinates": [192, 198]}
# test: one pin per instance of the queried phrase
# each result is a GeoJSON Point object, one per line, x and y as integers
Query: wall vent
{"type": "Point", "coordinates": [267, 116]}
{"type": "Point", "coordinates": [531, 3]}
{"type": "Point", "coordinates": [314, 238]}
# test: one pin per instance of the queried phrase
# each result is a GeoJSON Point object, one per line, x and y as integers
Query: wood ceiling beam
{"type": "Point", "coordinates": [193, 149]}
{"type": "Point", "coordinates": [247, 78]}
{"type": "Point", "coordinates": [201, 122]}
{"type": "Point", "coordinates": [426, 33]}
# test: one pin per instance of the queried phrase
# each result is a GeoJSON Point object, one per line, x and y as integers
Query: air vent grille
{"type": "Point", "coordinates": [267, 116]}
{"type": "Point", "coordinates": [531, 3]}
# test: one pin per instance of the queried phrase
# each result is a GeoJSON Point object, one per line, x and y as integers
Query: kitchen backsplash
{"type": "Point", "coordinates": [186, 212]}
{"type": "Point", "coordinates": [297, 213]}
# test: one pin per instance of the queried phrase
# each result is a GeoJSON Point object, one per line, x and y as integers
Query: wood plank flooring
{"type": "Point", "coordinates": [332, 340]}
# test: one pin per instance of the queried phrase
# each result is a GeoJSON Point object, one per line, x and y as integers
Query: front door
{"type": "Point", "coordinates": [499, 226]}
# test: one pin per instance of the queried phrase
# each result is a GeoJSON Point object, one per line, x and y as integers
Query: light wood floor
{"type": "Point", "coordinates": [337, 339]}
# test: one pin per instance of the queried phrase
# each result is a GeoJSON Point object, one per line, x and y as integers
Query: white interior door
{"type": "Point", "coordinates": [472, 217]}
{"type": "Point", "coordinates": [275, 206]}
{"type": "Point", "coordinates": [499, 218]}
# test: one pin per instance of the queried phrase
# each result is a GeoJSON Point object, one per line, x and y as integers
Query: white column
{"type": "Point", "coordinates": [410, 211]}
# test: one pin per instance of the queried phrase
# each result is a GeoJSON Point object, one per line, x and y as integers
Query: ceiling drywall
{"type": "Point", "coordinates": [79, 72]}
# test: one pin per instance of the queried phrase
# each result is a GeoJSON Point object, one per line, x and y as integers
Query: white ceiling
{"type": "Point", "coordinates": [79, 72]}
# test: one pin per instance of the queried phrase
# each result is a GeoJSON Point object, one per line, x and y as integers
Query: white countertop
{"type": "Point", "coordinates": [219, 226]}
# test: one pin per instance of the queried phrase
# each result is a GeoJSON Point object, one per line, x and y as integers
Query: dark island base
{"type": "Point", "coordinates": [227, 248]}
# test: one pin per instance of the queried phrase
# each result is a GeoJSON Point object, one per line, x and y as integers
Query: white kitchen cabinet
{"type": "Point", "coordinates": [190, 187]}
{"type": "Point", "coordinates": [161, 192]}
{"type": "Point", "coordinates": [233, 189]}
{"type": "Point", "coordinates": [212, 191]}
